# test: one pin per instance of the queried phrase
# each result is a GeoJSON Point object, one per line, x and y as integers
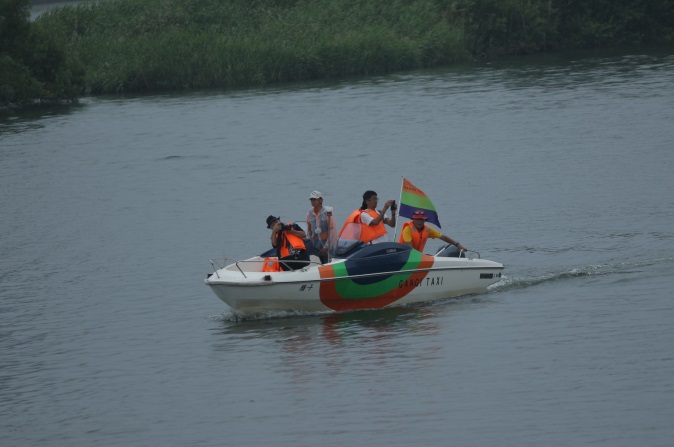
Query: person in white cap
{"type": "Point", "coordinates": [321, 226]}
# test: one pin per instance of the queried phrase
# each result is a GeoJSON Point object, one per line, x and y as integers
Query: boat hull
{"type": "Point", "coordinates": [347, 285]}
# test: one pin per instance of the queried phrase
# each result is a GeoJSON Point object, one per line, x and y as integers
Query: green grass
{"type": "Point", "coordinates": [152, 45]}
{"type": "Point", "coordinates": [145, 45]}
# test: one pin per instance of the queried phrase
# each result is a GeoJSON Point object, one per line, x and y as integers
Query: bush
{"type": "Point", "coordinates": [34, 66]}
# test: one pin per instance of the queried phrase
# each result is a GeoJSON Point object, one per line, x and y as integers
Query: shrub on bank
{"type": "Point", "coordinates": [505, 27]}
{"type": "Point", "coordinates": [34, 67]}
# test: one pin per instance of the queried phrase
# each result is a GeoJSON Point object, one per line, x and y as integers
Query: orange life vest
{"type": "Point", "coordinates": [367, 232]}
{"type": "Point", "coordinates": [290, 241]}
{"type": "Point", "coordinates": [418, 238]}
{"type": "Point", "coordinates": [271, 264]}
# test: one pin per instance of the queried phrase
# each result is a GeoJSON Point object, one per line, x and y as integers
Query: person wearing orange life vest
{"type": "Point", "coordinates": [415, 233]}
{"type": "Point", "coordinates": [289, 244]}
{"type": "Point", "coordinates": [371, 221]}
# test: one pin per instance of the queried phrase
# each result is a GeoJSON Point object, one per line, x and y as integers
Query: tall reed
{"type": "Point", "coordinates": [145, 45]}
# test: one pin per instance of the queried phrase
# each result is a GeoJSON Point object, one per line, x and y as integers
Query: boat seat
{"type": "Point", "coordinates": [449, 251]}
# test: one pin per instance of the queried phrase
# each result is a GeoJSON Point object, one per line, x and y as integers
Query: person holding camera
{"type": "Point", "coordinates": [372, 221]}
{"type": "Point", "coordinates": [321, 226]}
{"type": "Point", "coordinates": [289, 244]}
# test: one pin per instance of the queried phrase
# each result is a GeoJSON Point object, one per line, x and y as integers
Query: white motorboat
{"type": "Point", "coordinates": [360, 276]}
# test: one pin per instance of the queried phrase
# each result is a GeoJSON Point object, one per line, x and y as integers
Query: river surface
{"type": "Point", "coordinates": [560, 168]}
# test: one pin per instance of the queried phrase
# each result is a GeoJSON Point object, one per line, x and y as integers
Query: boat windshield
{"type": "Point", "coordinates": [351, 231]}
{"type": "Point", "coordinates": [349, 240]}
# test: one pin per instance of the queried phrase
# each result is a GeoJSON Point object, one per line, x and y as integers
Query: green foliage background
{"type": "Point", "coordinates": [34, 67]}
{"type": "Point", "coordinates": [116, 46]}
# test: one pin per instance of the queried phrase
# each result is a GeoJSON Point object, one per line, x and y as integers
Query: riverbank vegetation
{"type": "Point", "coordinates": [115, 46]}
{"type": "Point", "coordinates": [34, 67]}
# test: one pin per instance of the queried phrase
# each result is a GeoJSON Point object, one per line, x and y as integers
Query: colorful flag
{"type": "Point", "coordinates": [412, 199]}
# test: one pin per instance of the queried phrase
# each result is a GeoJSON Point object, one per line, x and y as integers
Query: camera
{"type": "Point", "coordinates": [285, 227]}
{"type": "Point", "coordinates": [394, 206]}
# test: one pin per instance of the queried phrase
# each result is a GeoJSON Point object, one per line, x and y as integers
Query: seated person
{"type": "Point", "coordinates": [290, 248]}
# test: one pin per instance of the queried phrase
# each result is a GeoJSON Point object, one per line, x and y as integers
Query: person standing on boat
{"type": "Point", "coordinates": [287, 239]}
{"type": "Point", "coordinates": [372, 221]}
{"type": "Point", "coordinates": [321, 226]}
{"type": "Point", "coordinates": [415, 233]}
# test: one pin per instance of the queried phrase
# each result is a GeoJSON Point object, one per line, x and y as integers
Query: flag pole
{"type": "Point", "coordinates": [400, 198]}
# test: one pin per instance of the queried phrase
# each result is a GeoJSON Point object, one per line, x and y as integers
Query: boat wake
{"type": "Point", "coordinates": [514, 281]}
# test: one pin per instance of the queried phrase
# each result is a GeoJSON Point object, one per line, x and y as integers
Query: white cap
{"type": "Point", "coordinates": [316, 195]}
